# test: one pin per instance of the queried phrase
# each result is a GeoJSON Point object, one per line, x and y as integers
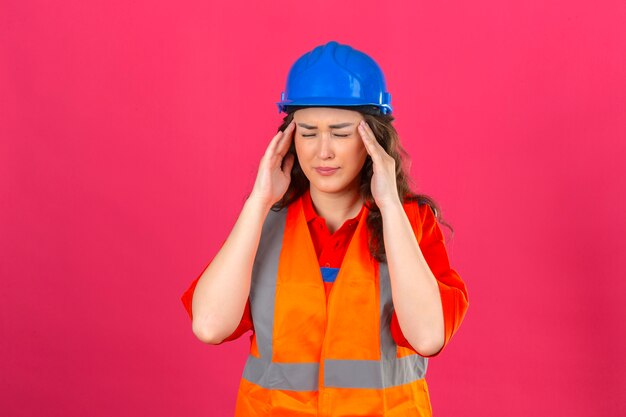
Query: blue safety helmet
{"type": "Point", "coordinates": [335, 75]}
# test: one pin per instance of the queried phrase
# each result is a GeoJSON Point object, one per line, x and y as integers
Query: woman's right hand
{"type": "Point", "coordinates": [273, 180]}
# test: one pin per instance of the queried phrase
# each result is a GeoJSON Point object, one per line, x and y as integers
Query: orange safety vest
{"type": "Point", "coordinates": [310, 359]}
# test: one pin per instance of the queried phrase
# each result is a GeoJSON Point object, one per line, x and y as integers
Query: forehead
{"type": "Point", "coordinates": [326, 115]}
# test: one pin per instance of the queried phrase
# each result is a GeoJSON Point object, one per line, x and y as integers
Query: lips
{"type": "Point", "coordinates": [326, 170]}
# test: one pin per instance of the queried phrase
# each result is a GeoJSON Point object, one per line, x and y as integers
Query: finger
{"type": "Point", "coordinates": [370, 142]}
{"type": "Point", "coordinates": [372, 135]}
{"type": "Point", "coordinates": [286, 139]}
{"type": "Point", "coordinates": [271, 148]}
{"type": "Point", "coordinates": [378, 148]}
{"type": "Point", "coordinates": [288, 163]}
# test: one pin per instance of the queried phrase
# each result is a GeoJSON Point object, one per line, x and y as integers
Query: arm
{"type": "Point", "coordinates": [246, 320]}
{"type": "Point", "coordinates": [414, 288]}
{"type": "Point", "coordinates": [452, 289]}
{"type": "Point", "coordinates": [223, 288]}
{"type": "Point", "coordinates": [420, 299]}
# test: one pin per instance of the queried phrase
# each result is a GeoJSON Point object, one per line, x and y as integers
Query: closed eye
{"type": "Point", "coordinates": [313, 134]}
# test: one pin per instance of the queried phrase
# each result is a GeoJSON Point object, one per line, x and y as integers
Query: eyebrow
{"type": "Point", "coordinates": [337, 126]}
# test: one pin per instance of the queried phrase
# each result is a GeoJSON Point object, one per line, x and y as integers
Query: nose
{"type": "Point", "coordinates": [325, 151]}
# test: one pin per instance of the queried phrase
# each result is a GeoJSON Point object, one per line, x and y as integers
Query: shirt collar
{"type": "Point", "coordinates": [310, 214]}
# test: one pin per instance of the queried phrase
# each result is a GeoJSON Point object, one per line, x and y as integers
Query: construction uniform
{"type": "Point", "coordinates": [317, 351]}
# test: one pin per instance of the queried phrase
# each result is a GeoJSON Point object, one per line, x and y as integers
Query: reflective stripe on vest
{"type": "Point", "coordinates": [388, 371]}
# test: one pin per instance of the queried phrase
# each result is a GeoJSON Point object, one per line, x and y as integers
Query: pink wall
{"type": "Point", "coordinates": [120, 125]}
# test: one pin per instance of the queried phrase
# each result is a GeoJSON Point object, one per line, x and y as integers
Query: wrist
{"type": "Point", "coordinates": [391, 208]}
{"type": "Point", "coordinates": [258, 204]}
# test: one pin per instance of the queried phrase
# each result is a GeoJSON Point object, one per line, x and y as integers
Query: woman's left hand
{"type": "Point", "coordinates": [384, 188]}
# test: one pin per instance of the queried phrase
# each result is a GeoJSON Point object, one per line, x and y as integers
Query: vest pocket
{"type": "Point", "coordinates": [287, 403]}
{"type": "Point", "coordinates": [252, 400]}
{"type": "Point", "coordinates": [422, 397]}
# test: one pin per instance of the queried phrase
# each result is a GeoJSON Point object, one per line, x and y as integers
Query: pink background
{"type": "Point", "coordinates": [131, 133]}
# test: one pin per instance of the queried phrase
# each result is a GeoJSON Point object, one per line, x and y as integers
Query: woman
{"type": "Point", "coordinates": [337, 267]}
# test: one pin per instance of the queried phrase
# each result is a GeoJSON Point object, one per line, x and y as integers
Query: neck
{"type": "Point", "coordinates": [338, 207]}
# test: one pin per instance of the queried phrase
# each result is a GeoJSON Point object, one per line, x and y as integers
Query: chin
{"type": "Point", "coordinates": [327, 190]}
{"type": "Point", "coordinates": [329, 187]}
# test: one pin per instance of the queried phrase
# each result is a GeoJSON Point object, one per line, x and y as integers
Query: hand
{"type": "Point", "coordinates": [383, 186]}
{"type": "Point", "coordinates": [272, 181]}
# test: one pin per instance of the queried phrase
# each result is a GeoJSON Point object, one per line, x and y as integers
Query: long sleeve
{"type": "Point", "coordinates": [453, 291]}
